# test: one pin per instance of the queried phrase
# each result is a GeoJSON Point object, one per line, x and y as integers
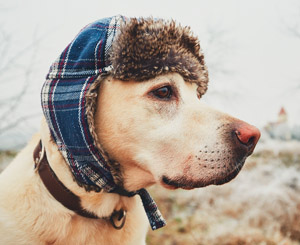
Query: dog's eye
{"type": "Point", "coordinates": [163, 92]}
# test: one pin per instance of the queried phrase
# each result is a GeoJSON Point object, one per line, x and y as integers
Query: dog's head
{"type": "Point", "coordinates": [150, 119]}
{"type": "Point", "coordinates": [160, 132]}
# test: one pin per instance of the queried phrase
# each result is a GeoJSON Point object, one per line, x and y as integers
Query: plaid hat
{"type": "Point", "coordinates": [110, 47]}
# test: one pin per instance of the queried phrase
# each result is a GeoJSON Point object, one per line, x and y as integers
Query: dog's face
{"type": "Point", "coordinates": [160, 132]}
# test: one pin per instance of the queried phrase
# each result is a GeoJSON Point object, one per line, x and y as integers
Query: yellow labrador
{"type": "Point", "coordinates": [157, 130]}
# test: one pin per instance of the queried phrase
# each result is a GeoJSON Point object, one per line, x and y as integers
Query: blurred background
{"type": "Point", "coordinates": [252, 51]}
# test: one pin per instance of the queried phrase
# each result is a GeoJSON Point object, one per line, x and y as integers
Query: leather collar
{"type": "Point", "coordinates": [65, 196]}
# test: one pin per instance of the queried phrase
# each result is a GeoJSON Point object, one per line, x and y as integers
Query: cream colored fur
{"type": "Point", "coordinates": [149, 137]}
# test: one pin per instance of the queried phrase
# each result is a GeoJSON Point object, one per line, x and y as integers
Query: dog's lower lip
{"type": "Point", "coordinates": [174, 184]}
{"type": "Point", "coordinates": [230, 176]}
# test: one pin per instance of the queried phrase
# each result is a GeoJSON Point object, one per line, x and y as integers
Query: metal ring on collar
{"type": "Point", "coordinates": [119, 216]}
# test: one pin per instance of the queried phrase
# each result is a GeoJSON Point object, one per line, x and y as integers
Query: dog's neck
{"type": "Point", "coordinates": [102, 204]}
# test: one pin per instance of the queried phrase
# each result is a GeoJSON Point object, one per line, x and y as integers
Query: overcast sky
{"type": "Point", "coordinates": [253, 59]}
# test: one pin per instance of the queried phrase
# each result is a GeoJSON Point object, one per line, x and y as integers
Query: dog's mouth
{"type": "Point", "coordinates": [187, 184]}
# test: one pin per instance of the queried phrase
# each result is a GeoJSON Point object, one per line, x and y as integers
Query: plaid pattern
{"type": "Point", "coordinates": [64, 106]}
{"type": "Point", "coordinates": [154, 216]}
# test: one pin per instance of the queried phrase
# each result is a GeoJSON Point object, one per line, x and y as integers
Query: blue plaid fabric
{"type": "Point", "coordinates": [64, 106]}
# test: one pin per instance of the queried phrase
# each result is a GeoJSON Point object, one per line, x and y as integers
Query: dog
{"type": "Point", "coordinates": [147, 122]}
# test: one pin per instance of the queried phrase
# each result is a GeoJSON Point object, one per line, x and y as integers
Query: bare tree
{"type": "Point", "coordinates": [294, 29]}
{"type": "Point", "coordinates": [291, 27]}
{"type": "Point", "coordinates": [9, 63]}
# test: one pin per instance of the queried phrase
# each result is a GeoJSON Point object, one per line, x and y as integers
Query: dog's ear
{"type": "Point", "coordinates": [146, 48]}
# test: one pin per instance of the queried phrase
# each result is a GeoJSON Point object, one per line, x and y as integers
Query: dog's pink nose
{"type": "Point", "coordinates": [248, 135]}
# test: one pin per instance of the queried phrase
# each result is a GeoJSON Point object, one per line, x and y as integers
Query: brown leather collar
{"type": "Point", "coordinates": [65, 196]}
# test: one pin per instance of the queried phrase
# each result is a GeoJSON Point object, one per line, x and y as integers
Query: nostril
{"type": "Point", "coordinates": [250, 141]}
{"type": "Point", "coordinates": [248, 135]}
{"type": "Point", "coordinates": [240, 137]}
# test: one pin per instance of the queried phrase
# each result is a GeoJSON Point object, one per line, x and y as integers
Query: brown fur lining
{"type": "Point", "coordinates": [145, 48]}
{"type": "Point", "coordinates": [91, 103]}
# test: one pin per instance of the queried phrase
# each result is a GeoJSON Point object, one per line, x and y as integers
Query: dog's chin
{"type": "Point", "coordinates": [188, 184]}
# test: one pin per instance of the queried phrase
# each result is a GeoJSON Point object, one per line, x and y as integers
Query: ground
{"type": "Point", "coordinates": [260, 206]}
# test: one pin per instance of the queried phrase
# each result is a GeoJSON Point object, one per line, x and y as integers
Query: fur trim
{"type": "Point", "coordinates": [145, 48]}
{"type": "Point", "coordinates": [91, 103]}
